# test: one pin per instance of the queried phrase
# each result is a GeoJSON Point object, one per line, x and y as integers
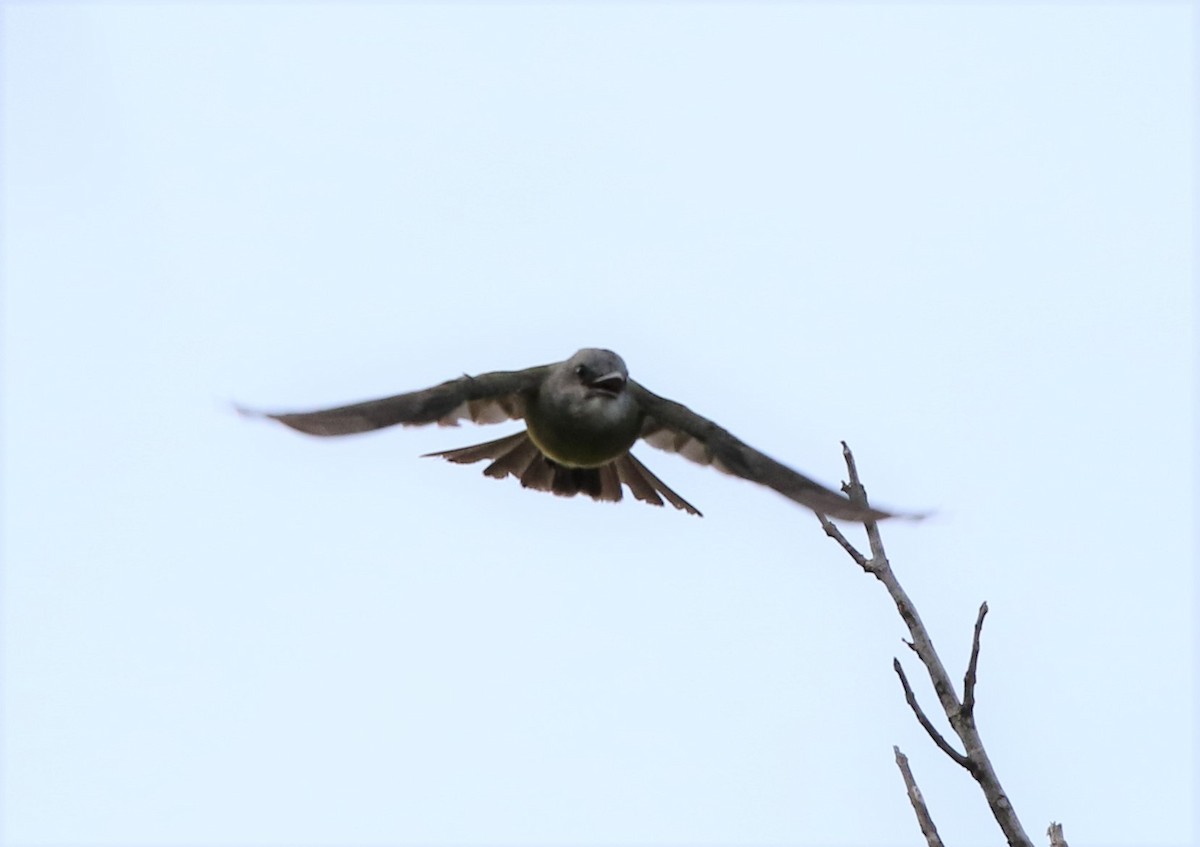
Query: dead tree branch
{"type": "Point", "coordinates": [959, 713]}
{"type": "Point", "coordinates": [973, 664]}
{"type": "Point", "coordinates": [836, 534]}
{"type": "Point", "coordinates": [918, 802]}
{"type": "Point", "coordinates": [937, 737]}
{"type": "Point", "coordinates": [1056, 835]}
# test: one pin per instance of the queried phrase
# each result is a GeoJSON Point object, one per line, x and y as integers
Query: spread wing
{"type": "Point", "coordinates": [487, 398]}
{"type": "Point", "coordinates": [675, 428]}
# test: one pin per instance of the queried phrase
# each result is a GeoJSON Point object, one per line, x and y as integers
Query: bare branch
{"type": "Point", "coordinates": [937, 737]}
{"type": "Point", "coordinates": [918, 802]}
{"type": "Point", "coordinates": [1056, 835]}
{"type": "Point", "coordinates": [858, 493]}
{"type": "Point", "coordinates": [974, 758]}
{"type": "Point", "coordinates": [836, 534]}
{"type": "Point", "coordinates": [968, 705]}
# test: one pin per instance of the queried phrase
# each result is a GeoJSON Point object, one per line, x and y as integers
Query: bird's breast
{"type": "Point", "coordinates": [587, 432]}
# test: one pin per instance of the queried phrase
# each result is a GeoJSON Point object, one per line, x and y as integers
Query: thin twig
{"type": "Point", "coordinates": [968, 704]}
{"type": "Point", "coordinates": [858, 493]}
{"type": "Point", "coordinates": [937, 737]}
{"type": "Point", "coordinates": [836, 534]}
{"type": "Point", "coordinates": [1056, 835]}
{"type": "Point", "coordinates": [918, 802]}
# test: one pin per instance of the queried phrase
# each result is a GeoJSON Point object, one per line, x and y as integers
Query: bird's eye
{"type": "Point", "coordinates": [580, 370]}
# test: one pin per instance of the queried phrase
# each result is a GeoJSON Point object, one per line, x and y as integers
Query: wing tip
{"type": "Point", "coordinates": [872, 514]}
{"type": "Point", "coordinates": [243, 411]}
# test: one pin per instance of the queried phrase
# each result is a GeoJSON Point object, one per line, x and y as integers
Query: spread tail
{"type": "Point", "coordinates": [517, 455]}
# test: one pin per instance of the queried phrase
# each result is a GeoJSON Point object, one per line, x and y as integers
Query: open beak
{"type": "Point", "coordinates": [610, 382]}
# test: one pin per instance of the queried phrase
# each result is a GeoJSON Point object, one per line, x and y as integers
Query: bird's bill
{"type": "Point", "coordinates": [610, 382]}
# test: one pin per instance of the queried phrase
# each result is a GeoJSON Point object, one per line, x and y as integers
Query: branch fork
{"type": "Point", "coordinates": [959, 713]}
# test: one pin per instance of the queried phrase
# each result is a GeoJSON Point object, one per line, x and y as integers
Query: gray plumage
{"type": "Point", "coordinates": [581, 418]}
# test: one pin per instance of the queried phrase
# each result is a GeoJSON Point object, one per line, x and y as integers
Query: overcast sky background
{"type": "Point", "coordinates": [958, 236]}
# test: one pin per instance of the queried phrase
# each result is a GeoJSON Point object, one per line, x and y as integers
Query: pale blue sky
{"type": "Point", "coordinates": [958, 236]}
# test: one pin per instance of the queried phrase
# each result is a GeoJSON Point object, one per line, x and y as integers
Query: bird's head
{"type": "Point", "coordinates": [599, 371]}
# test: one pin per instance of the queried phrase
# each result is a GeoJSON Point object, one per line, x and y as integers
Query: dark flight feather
{"type": "Point", "coordinates": [506, 395]}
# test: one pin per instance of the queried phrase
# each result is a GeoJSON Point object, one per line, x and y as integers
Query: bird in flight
{"type": "Point", "coordinates": [581, 417]}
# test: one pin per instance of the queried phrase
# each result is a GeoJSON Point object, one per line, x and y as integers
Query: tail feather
{"type": "Point", "coordinates": [571, 481]}
{"type": "Point", "coordinates": [515, 461]}
{"type": "Point", "coordinates": [630, 469]}
{"type": "Point", "coordinates": [610, 483]}
{"type": "Point", "coordinates": [539, 475]}
{"type": "Point", "coordinates": [517, 455]}
{"type": "Point", "coordinates": [487, 450]}
{"type": "Point", "coordinates": [632, 476]}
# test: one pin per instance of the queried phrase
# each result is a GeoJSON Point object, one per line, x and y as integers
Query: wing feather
{"type": "Point", "coordinates": [675, 428]}
{"type": "Point", "coordinates": [487, 398]}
